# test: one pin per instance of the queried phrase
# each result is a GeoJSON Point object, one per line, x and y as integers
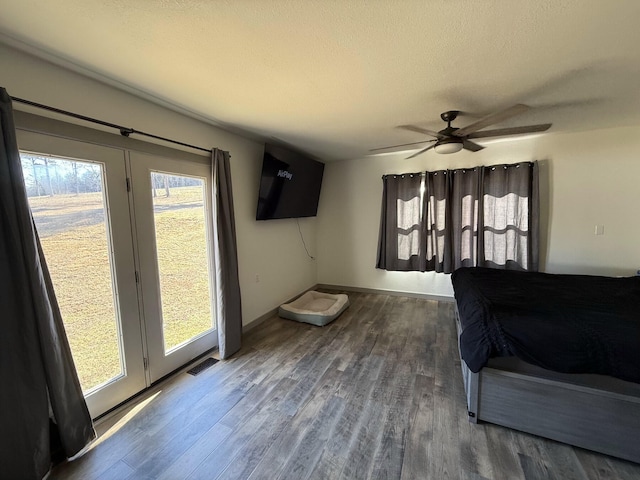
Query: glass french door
{"type": "Point", "coordinates": [78, 197]}
{"type": "Point", "coordinates": [128, 257]}
{"type": "Point", "coordinates": [172, 202]}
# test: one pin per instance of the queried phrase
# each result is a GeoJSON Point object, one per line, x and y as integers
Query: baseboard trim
{"type": "Point", "coordinates": [274, 311]}
{"type": "Point", "coordinates": [257, 321]}
{"type": "Point", "coordinates": [424, 296]}
{"type": "Point", "coordinates": [271, 313]}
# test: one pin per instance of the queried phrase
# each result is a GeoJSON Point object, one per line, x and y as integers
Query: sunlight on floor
{"type": "Point", "coordinates": [122, 422]}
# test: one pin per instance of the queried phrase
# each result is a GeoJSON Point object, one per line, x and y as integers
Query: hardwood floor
{"type": "Point", "coordinates": [376, 394]}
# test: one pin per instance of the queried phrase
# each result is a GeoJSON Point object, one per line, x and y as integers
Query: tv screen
{"type": "Point", "coordinates": [289, 185]}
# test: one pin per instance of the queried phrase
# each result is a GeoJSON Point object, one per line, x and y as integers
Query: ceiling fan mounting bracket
{"type": "Point", "coordinates": [449, 116]}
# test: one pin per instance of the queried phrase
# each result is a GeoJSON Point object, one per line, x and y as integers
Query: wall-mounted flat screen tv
{"type": "Point", "coordinates": [289, 185]}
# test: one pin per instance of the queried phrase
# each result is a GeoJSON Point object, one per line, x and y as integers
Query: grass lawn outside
{"type": "Point", "coordinates": [74, 240]}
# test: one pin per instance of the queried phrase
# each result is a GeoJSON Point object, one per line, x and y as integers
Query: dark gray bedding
{"type": "Point", "coordinates": [565, 323]}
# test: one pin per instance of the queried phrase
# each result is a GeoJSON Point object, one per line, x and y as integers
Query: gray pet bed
{"type": "Point", "coordinates": [316, 308]}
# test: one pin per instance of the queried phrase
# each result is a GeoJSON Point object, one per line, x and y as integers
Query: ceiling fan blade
{"type": "Point", "coordinates": [491, 119]}
{"type": "Point", "coordinates": [500, 132]}
{"type": "Point", "coordinates": [421, 151]}
{"type": "Point", "coordinates": [413, 128]}
{"type": "Point", "coordinates": [392, 148]}
{"type": "Point", "coordinates": [468, 145]}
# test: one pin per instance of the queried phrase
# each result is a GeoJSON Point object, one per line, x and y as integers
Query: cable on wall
{"type": "Point", "coordinates": [124, 131]}
{"type": "Point", "coordinates": [303, 243]}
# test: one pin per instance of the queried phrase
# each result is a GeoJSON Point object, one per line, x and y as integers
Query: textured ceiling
{"type": "Point", "coordinates": [335, 77]}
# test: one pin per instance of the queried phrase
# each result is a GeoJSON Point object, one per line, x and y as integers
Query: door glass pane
{"type": "Point", "coordinates": [68, 205]}
{"type": "Point", "coordinates": [183, 259]}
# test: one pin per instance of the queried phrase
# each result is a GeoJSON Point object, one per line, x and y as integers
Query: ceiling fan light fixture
{"type": "Point", "coordinates": [448, 145]}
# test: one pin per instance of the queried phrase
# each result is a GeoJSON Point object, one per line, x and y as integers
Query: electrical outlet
{"type": "Point", "coordinates": [257, 278]}
{"type": "Point", "coordinates": [599, 230]}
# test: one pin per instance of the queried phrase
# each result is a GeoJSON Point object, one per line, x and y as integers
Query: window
{"type": "Point", "coordinates": [440, 221]}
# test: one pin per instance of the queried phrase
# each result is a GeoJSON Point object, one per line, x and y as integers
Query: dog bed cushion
{"type": "Point", "coordinates": [316, 308]}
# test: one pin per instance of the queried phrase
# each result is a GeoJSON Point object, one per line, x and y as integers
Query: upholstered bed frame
{"type": "Point", "coordinates": [590, 411]}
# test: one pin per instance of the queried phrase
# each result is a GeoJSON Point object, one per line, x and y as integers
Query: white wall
{"type": "Point", "coordinates": [594, 180]}
{"type": "Point", "coordinates": [587, 178]}
{"type": "Point", "coordinates": [271, 249]}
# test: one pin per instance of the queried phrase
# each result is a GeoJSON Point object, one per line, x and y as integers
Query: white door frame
{"type": "Point", "coordinates": [133, 378]}
{"type": "Point", "coordinates": [141, 165]}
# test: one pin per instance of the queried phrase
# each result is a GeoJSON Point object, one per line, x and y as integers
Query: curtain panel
{"type": "Point", "coordinates": [508, 229]}
{"type": "Point", "coordinates": [41, 398]}
{"type": "Point", "coordinates": [444, 220]}
{"type": "Point", "coordinates": [228, 302]}
{"type": "Point", "coordinates": [401, 238]}
{"type": "Point", "coordinates": [437, 204]}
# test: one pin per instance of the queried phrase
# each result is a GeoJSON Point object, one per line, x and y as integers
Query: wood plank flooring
{"type": "Point", "coordinates": [376, 394]}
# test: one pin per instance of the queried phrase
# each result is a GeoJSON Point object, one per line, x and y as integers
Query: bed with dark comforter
{"type": "Point", "coordinates": [553, 355]}
{"type": "Point", "coordinates": [565, 323]}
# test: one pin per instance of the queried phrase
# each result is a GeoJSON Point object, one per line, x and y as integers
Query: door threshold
{"type": "Point", "coordinates": [104, 422]}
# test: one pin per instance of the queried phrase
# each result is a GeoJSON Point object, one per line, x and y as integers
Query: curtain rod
{"type": "Point", "coordinates": [124, 131]}
{"type": "Point", "coordinates": [411, 174]}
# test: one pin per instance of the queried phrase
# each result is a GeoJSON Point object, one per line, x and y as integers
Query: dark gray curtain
{"type": "Point", "coordinates": [401, 237]}
{"type": "Point", "coordinates": [483, 216]}
{"type": "Point", "coordinates": [465, 203]}
{"type": "Point", "coordinates": [509, 227]}
{"type": "Point", "coordinates": [229, 305]}
{"type": "Point", "coordinates": [41, 400]}
{"type": "Point", "coordinates": [436, 202]}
